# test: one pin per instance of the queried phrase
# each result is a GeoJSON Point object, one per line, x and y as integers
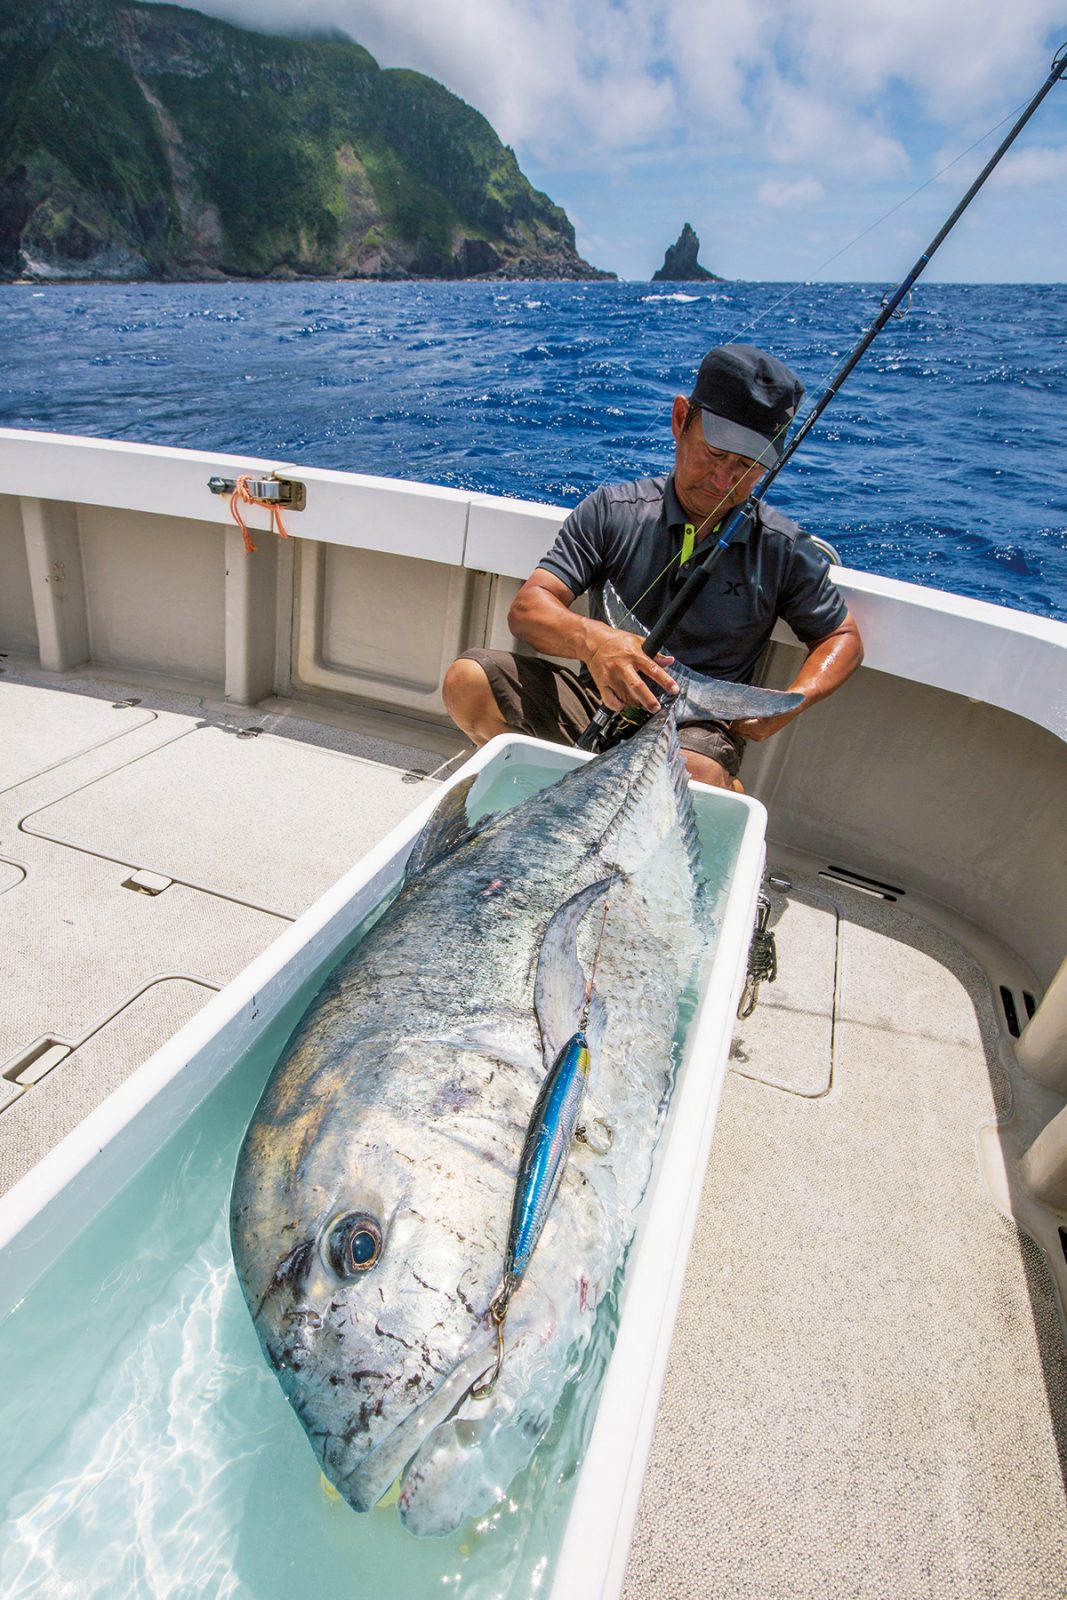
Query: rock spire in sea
{"type": "Point", "coordinates": [680, 264]}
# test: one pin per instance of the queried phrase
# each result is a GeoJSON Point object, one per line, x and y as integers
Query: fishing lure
{"type": "Point", "coordinates": [554, 1122]}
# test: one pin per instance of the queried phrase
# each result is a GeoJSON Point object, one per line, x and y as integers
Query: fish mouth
{"type": "Point", "coordinates": [364, 1486]}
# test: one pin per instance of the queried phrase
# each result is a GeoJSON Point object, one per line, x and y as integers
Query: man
{"type": "Point", "coordinates": [641, 536]}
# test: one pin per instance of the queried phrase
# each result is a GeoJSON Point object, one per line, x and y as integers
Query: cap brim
{"type": "Point", "coordinates": [722, 434]}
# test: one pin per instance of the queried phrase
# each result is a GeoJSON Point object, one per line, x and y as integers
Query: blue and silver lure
{"type": "Point", "coordinates": [554, 1121]}
{"type": "Point", "coordinates": [552, 1128]}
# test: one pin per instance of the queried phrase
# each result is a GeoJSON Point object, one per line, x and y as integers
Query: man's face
{"type": "Point", "coordinates": [708, 482]}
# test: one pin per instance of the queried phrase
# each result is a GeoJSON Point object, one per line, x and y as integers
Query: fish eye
{"type": "Point", "coordinates": [353, 1244]}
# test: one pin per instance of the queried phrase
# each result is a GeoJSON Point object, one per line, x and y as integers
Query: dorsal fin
{"type": "Point", "coordinates": [446, 830]}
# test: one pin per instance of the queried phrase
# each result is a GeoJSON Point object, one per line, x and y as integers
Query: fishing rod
{"type": "Point", "coordinates": [605, 728]}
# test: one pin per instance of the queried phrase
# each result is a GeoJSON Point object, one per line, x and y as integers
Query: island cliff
{"type": "Point", "coordinates": [149, 141]}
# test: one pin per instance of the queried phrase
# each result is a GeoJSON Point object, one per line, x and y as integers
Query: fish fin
{"type": "Point", "coordinates": [626, 841]}
{"type": "Point", "coordinates": [687, 820]}
{"type": "Point", "coordinates": [594, 1030]}
{"type": "Point", "coordinates": [446, 830]}
{"type": "Point", "coordinates": [701, 697]}
{"type": "Point", "coordinates": [559, 991]}
{"type": "Point", "coordinates": [616, 612]}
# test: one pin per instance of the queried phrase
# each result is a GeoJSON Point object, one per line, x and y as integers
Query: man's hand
{"type": "Point", "coordinates": [758, 728]}
{"type": "Point", "coordinates": [623, 673]}
{"type": "Point", "coordinates": [541, 615]}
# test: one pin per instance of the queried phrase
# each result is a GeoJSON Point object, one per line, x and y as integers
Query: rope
{"type": "Point", "coordinates": [242, 493]}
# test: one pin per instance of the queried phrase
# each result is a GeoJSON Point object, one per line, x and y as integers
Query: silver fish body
{"type": "Point", "coordinates": [371, 1203]}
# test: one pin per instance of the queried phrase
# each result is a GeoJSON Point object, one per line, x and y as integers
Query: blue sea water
{"type": "Point", "coordinates": [942, 461]}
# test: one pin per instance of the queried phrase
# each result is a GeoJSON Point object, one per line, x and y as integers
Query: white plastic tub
{"type": "Point", "coordinates": [52, 1205]}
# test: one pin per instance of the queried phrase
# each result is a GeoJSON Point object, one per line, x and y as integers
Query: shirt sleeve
{"type": "Point", "coordinates": [577, 556]}
{"type": "Point", "coordinates": [810, 601]}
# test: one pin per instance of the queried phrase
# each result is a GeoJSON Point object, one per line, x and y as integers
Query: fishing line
{"type": "Point", "coordinates": [794, 290]}
{"type": "Point", "coordinates": [604, 728]}
{"type": "Point", "coordinates": [796, 287]}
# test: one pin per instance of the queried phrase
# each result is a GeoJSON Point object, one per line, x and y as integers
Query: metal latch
{"type": "Point", "coordinates": [762, 959]}
{"type": "Point", "coordinates": [283, 492]}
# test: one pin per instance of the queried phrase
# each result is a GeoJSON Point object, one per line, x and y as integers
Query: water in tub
{"type": "Point", "coordinates": [149, 1450]}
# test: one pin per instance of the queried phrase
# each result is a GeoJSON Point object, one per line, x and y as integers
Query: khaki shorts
{"type": "Point", "coordinates": [539, 698]}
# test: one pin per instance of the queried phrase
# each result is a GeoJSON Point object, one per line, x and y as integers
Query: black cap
{"type": "Point", "coordinates": [747, 401]}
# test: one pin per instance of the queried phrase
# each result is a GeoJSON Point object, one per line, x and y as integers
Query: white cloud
{"type": "Point", "coordinates": [1039, 164]}
{"type": "Point", "coordinates": [791, 195]}
{"type": "Point", "coordinates": [582, 78]}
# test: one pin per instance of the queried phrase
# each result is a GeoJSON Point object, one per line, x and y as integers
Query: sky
{"type": "Point", "coordinates": [780, 129]}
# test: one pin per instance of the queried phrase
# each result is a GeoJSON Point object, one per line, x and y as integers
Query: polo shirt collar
{"type": "Point", "coordinates": [677, 518]}
{"type": "Point", "coordinates": [672, 506]}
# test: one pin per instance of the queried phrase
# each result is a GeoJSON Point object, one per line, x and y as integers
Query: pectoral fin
{"type": "Point", "coordinates": [701, 697]}
{"type": "Point", "coordinates": [559, 992]}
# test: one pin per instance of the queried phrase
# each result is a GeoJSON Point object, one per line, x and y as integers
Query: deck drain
{"type": "Point", "coordinates": [1009, 1000]}
{"type": "Point", "coordinates": [859, 880]}
{"type": "Point", "coordinates": [249, 733]}
{"type": "Point", "coordinates": [1011, 1015]}
{"type": "Point", "coordinates": [124, 705]}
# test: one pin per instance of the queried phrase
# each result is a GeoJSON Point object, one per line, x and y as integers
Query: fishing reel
{"type": "Point", "coordinates": [609, 728]}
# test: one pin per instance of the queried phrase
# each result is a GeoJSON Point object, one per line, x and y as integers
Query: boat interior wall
{"type": "Point", "coordinates": [134, 567]}
{"type": "Point", "coordinates": [258, 597]}
{"type": "Point", "coordinates": [962, 803]}
{"type": "Point", "coordinates": [18, 625]}
{"type": "Point", "coordinates": [57, 582]}
{"type": "Point", "coordinates": [346, 635]}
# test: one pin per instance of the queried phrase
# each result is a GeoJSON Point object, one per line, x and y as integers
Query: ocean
{"type": "Point", "coordinates": [941, 462]}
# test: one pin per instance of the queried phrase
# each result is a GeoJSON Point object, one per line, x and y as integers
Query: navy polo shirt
{"type": "Point", "coordinates": [631, 533]}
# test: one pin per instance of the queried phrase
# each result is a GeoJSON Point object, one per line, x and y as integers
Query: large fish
{"type": "Point", "coordinates": [374, 1188]}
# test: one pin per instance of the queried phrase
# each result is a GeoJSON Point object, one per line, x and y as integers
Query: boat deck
{"type": "Point", "coordinates": [866, 1393]}
{"type": "Point", "coordinates": [241, 821]}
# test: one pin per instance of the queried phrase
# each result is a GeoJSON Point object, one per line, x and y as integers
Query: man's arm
{"type": "Point", "coordinates": [541, 616]}
{"type": "Point", "coordinates": [829, 662]}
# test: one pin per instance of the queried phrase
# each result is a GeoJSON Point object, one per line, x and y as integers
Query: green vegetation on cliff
{"type": "Point", "coordinates": [149, 140]}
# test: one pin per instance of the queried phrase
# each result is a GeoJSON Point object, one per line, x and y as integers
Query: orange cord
{"type": "Point", "coordinates": [242, 492]}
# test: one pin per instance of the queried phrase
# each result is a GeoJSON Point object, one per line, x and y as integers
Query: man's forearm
{"type": "Point", "coordinates": [829, 663]}
{"type": "Point", "coordinates": [542, 621]}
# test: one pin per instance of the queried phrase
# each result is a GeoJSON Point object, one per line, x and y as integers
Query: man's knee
{"type": "Point", "coordinates": [465, 683]}
{"type": "Point", "coordinates": [469, 700]}
{"type": "Point", "coordinates": [706, 770]}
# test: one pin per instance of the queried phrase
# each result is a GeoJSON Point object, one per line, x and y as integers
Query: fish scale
{"type": "Point", "coordinates": [397, 1114]}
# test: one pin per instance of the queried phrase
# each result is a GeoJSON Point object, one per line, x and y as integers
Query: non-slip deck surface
{"type": "Point", "coordinates": [867, 1392]}
{"type": "Point", "coordinates": [251, 830]}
